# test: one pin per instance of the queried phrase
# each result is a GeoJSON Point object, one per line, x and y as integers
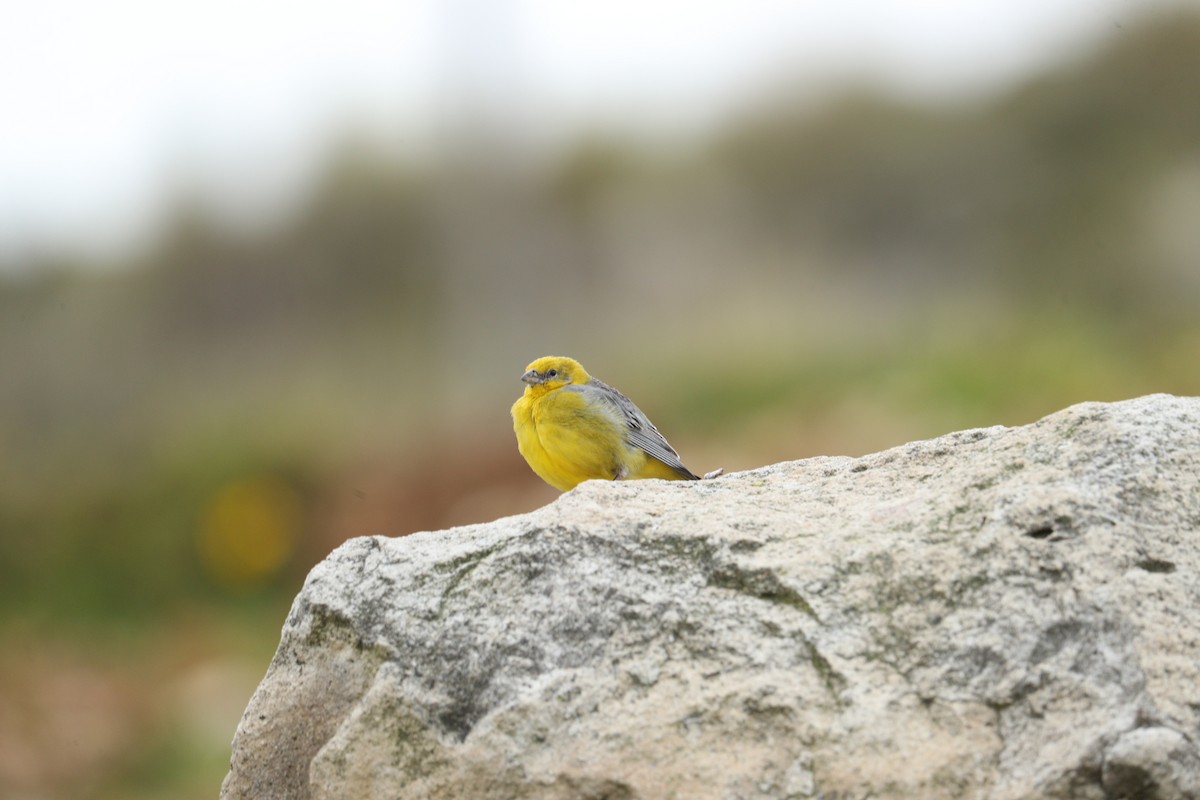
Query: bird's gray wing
{"type": "Point", "coordinates": [640, 432]}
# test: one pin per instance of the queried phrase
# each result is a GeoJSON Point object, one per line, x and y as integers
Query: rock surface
{"type": "Point", "coordinates": [996, 613]}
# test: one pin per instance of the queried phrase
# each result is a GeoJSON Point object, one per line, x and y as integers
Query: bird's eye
{"type": "Point", "coordinates": [552, 373]}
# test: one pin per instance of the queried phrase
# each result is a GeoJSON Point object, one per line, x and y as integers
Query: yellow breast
{"type": "Point", "coordinates": [567, 441]}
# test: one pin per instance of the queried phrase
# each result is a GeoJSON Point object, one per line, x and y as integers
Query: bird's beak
{"type": "Point", "coordinates": [533, 376]}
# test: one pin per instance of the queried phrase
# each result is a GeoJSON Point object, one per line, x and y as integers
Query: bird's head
{"type": "Point", "coordinates": [553, 372]}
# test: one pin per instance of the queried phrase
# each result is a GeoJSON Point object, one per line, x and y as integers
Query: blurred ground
{"type": "Point", "coordinates": [181, 438]}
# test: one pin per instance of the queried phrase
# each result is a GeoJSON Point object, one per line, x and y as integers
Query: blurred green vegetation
{"type": "Point", "coordinates": [806, 281]}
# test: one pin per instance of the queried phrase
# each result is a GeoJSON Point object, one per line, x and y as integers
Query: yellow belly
{"type": "Point", "coordinates": [567, 442]}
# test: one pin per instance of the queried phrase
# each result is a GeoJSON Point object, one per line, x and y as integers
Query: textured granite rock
{"type": "Point", "coordinates": [996, 613]}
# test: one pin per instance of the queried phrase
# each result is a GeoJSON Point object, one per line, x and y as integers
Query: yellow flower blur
{"type": "Point", "coordinates": [249, 530]}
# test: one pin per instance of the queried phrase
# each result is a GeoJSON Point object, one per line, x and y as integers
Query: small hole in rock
{"type": "Point", "coordinates": [1156, 565]}
{"type": "Point", "coordinates": [1040, 533]}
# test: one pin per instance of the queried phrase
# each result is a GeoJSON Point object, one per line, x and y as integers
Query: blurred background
{"type": "Point", "coordinates": [269, 274]}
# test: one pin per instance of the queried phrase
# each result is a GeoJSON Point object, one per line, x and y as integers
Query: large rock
{"type": "Point", "coordinates": [997, 613]}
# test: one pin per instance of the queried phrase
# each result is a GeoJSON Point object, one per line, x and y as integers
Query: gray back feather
{"type": "Point", "coordinates": [640, 432]}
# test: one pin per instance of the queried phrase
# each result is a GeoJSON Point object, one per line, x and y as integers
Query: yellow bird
{"type": "Point", "coordinates": [572, 427]}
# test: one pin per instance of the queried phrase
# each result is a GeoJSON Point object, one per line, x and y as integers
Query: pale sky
{"type": "Point", "coordinates": [107, 107]}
